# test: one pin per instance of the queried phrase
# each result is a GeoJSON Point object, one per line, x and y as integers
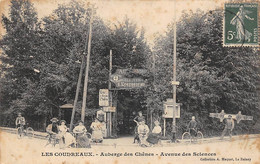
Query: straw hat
{"type": "Point", "coordinates": [63, 121]}
{"type": "Point", "coordinates": [54, 120]}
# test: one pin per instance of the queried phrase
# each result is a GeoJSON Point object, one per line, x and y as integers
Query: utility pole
{"type": "Point", "coordinates": [174, 73]}
{"type": "Point", "coordinates": [77, 91]}
{"type": "Point", "coordinates": [151, 114]}
{"type": "Point", "coordinates": [109, 114]}
{"type": "Point", "coordinates": [83, 111]}
{"type": "Point", "coordinates": [78, 84]}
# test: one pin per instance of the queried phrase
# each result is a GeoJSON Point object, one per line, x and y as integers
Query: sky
{"type": "Point", "coordinates": [152, 15]}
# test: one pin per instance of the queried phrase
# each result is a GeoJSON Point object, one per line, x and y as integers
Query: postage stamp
{"type": "Point", "coordinates": [240, 25]}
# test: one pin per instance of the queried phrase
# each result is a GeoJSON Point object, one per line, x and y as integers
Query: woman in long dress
{"type": "Point", "coordinates": [238, 21]}
{"type": "Point", "coordinates": [80, 132]}
{"type": "Point", "coordinates": [66, 139]}
{"type": "Point", "coordinates": [97, 134]}
{"type": "Point", "coordinates": [154, 137]}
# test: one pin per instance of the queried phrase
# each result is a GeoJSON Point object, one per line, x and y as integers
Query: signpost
{"type": "Point", "coordinates": [122, 81]}
{"type": "Point", "coordinates": [103, 97]}
{"type": "Point", "coordinates": [109, 109]}
{"type": "Point", "coordinates": [168, 112]}
{"type": "Point", "coordinates": [222, 115]}
{"type": "Point", "coordinates": [174, 72]}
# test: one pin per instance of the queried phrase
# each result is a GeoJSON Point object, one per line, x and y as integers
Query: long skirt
{"type": "Point", "coordinates": [83, 141]}
{"type": "Point", "coordinates": [97, 136]}
{"type": "Point", "coordinates": [69, 139]}
{"type": "Point", "coordinates": [153, 138]}
{"type": "Point", "coordinates": [66, 139]}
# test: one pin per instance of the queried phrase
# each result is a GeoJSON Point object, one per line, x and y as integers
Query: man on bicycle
{"type": "Point", "coordinates": [192, 127]}
{"type": "Point", "coordinates": [20, 121]}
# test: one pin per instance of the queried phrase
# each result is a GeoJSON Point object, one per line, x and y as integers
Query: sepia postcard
{"type": "Point", "coordinates": [129, 81]}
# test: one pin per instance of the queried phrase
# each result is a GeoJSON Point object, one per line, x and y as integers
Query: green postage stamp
{"type": "Point", "coordinates": [241, 24]}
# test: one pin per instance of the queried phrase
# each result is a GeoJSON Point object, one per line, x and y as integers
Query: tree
{"type": "Point", "coordinates": [212, 77]}
{"type": "Point", "coordinates": [19, 46]}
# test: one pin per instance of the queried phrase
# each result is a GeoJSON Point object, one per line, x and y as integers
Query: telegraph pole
{"type": "Point", "coordinates": [77, 91]}
{"type": "Point", "coordinates": [174, 73]}
{"type": "Point", "coordinates": [87, 69]}
{"type": "Point", "coordinates": [109, 114]}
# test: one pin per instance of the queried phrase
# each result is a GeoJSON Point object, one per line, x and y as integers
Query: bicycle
{"type": "Point", "coordinates": [21, 132]}
{"type": "Point", "coordinates": [187, 136]}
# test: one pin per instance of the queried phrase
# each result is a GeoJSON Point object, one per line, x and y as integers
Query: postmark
{"type": "Point", "coordinates": [240, 24]}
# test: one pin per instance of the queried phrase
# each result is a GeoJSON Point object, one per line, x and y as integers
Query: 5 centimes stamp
{"type": "Point", "coordinates": [240, 24]}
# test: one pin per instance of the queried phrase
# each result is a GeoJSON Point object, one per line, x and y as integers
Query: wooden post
{"type": "Point", "coordinates": [87, 69]}
{"type": "Point", "coordinates": [151, 114]}
{"type": "Point", "coordinates": [164, 127]}
{"type": "Point", "coordinates": [77, 92]}
{"type": "Point", "coordinates": [110, 94]}
{"type": "Point", "coordinates": [174, 70]}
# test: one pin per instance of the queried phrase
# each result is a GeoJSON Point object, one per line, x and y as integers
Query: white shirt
{"type": "Point", "coordinates": [79, 129]}
{"type": "Point", "coordinates": [143, 129]}
{"type": "Point", "coordinates": [157, 129]}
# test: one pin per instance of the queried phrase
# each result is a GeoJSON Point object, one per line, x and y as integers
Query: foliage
{"type": "Point", "coordinates": [212, 77]}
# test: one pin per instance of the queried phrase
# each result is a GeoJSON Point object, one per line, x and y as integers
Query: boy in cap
{"type": "Point", "coordinates": [20, 120]}
{"type": "Point", "coordinates": [229, 126]}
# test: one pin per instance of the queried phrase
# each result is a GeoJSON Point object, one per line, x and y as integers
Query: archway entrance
{"type": "Point", "coordinates": [129, 104]}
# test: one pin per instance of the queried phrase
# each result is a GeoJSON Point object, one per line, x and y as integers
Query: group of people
{"type": "Point", "coordinates": [79, 136]}
{"type": "Point", "coordinates": [142, 132]}
{"type": "Point", "coordinates": [142, 135]}
{"type": "Point", "coordinates": [145, 138]}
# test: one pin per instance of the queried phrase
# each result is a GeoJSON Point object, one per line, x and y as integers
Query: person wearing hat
{"type": "Point", "coordinates": [229, 126]}
{"type": "Point", "coordinates": [52, 130]}
{"type": "Point", "coordinates": [53, 127]}
{"type": "Point", "coordinates": [66, 139]}
{"type": "Point", "coordinates": [62, 132]}
{"type": "Point", "coordinates": [154, 137]}
{"type": "Point", "coordinates": [81, 138]}
{"type": "Point", "coordinates": [20, 120]}
{"type": "Point", "coordinates": [97, 134]}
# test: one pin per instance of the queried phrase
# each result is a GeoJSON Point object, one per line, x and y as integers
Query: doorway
{"type": "Point", "coordinates": [129, 104]}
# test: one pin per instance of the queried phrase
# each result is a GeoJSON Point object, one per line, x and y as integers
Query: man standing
{"type": "Point", "coordinates": [229, 126]}
{"type": "Point", "coordinates": [138, 119]}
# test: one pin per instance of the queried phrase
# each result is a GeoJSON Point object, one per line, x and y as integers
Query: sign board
{"type": "Point", "coordinates": [168, 109]}
{"type": "Point", "coordinates": [103, 97]}
{"type": "Point", "coordinates": [175, 83]}
{"type": "Point", "coordinates": [109, 109]}
{"type": "Point", "coordinates": [222, 115]}
{"type": "Point", "coordinates": [128, 79]}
